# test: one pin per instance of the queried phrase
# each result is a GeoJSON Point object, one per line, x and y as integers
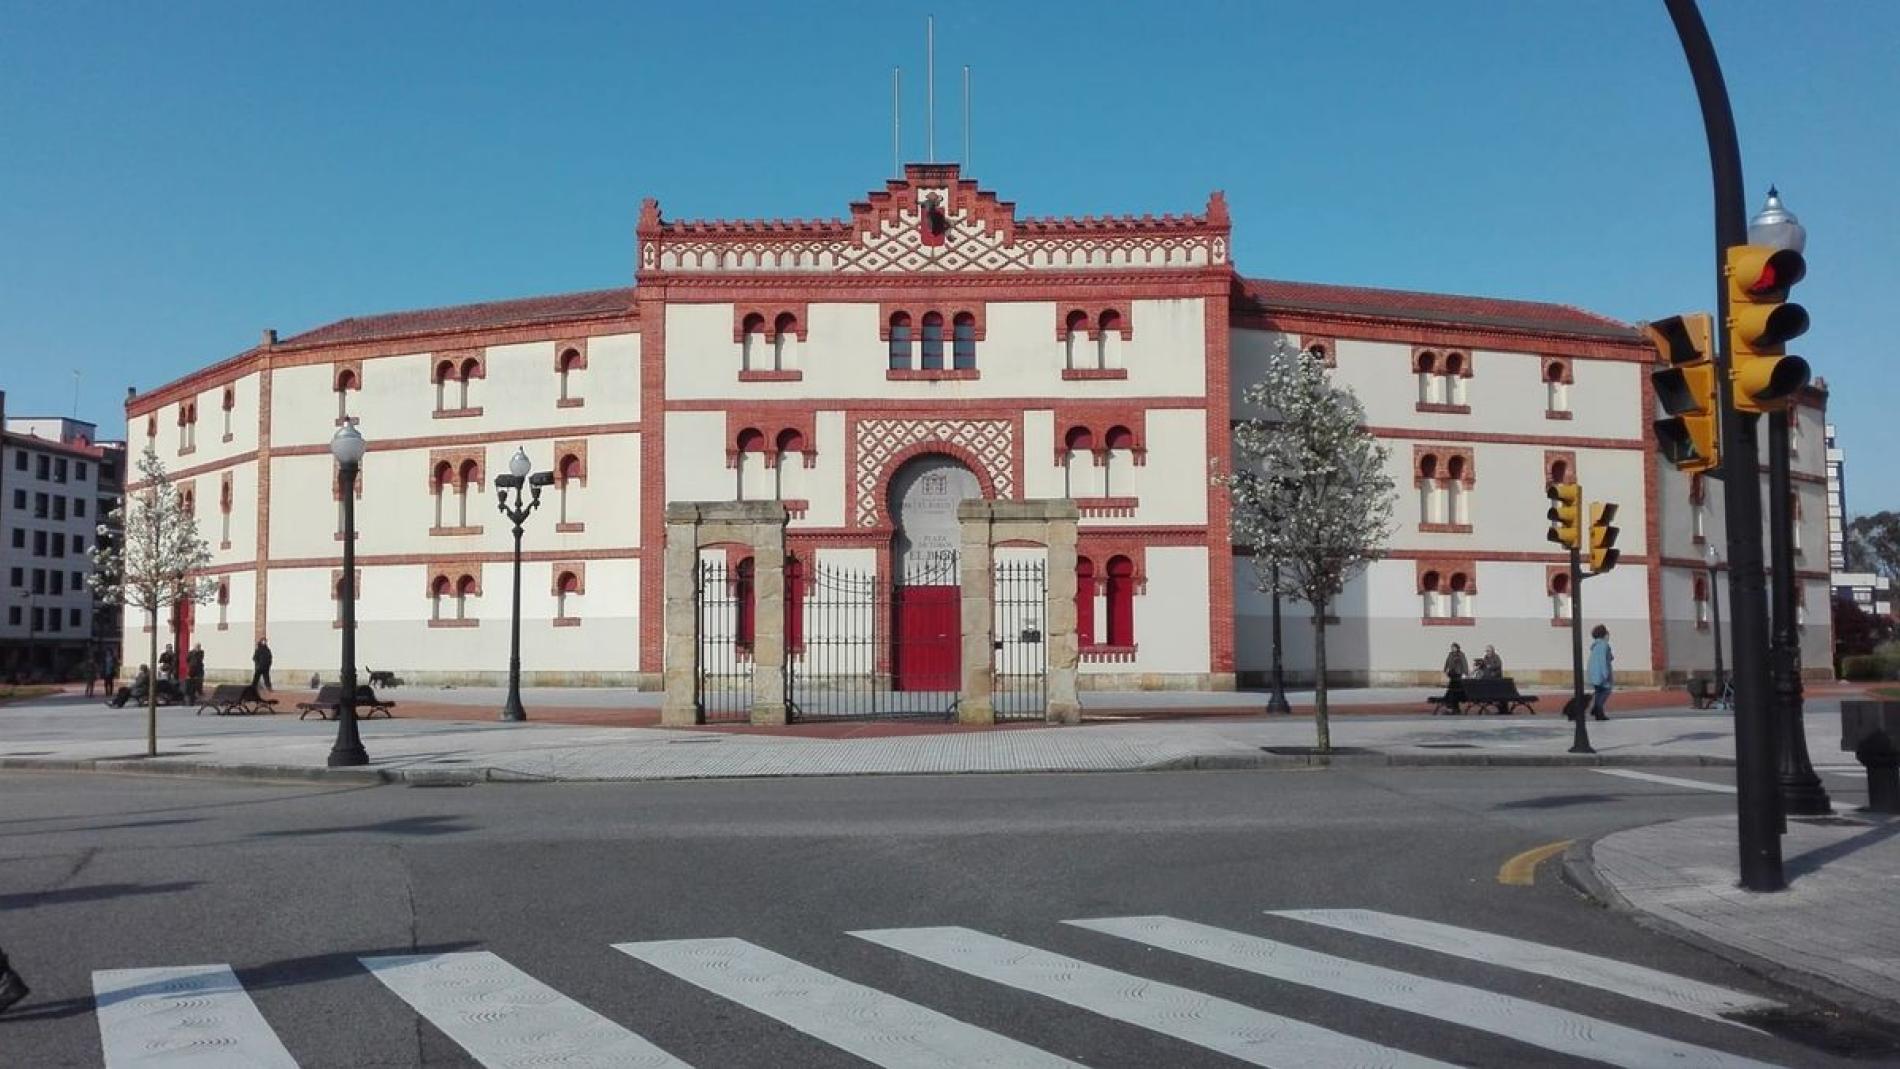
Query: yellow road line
{"type": "Point", "coordinates": [1521, 871]}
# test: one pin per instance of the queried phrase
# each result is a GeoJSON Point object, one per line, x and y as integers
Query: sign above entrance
{"type": "Point", "coordinates": [924, 498]}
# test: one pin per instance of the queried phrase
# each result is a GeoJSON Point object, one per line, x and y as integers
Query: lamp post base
{"type": "Point", "coordinates": [348, 758]}
{"type": "Point", "coordinates": [1277, 703]}
{"type": "Point", "coordinates": [513, 712]}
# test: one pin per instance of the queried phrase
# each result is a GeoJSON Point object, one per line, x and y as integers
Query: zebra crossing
{"type": "Point", "coordinates": [502, 1017]}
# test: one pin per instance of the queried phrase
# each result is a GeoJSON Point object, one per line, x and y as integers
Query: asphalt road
{"type": "Point", "coordinates": [291, 885]}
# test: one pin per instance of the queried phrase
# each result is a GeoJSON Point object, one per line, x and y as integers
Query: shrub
{"type": "Point", "coordinates": [1870, 667]}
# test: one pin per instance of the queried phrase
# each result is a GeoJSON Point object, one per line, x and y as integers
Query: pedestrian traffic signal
{"type": "Point", "coordinates": [1603, 532]}
{"type": "Point", "coordinates": [1689, 435]}
{"type": "Point", "coordinates": [1566, 514]}
{"type": "Point", "coordinates": [1761, 322]}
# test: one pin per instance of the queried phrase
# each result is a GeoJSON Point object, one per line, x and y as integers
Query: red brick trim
{"type": "Point", "coordinates": [457, 360]}
{"type": "Point", "coordinates": [977, 310]}
{"type": "Point", "coordinates": [769, 315]}
{"type": "Point", "coordinates": [1566, 370]}
{"type": "Point", "coordinates": [336, 484]}
{"type": "Point", "coordinates": [453, 532]}
{"type": "Point", "coordinates": [570, 402]}
{"type": "Point", "coordinates": [1444, 528]}
{"type": "Point", "coordinates": [1652, 524]}
{"type": "Point", "coordinates": [1448, 621]}
{"type": "Point", "coordinates": [457, 413]}
{"type": "Point", "coordinates": [1442, 336]}
{"type": "Point", "coordinates": [1120, 312]}
{"type": "Point", "coordinates": [1435, 434]}
{"type": "Point", "coordinates": [453, 622]}
{"type": "Point", "coordinates": [778, 426]}
{"type": "Point", "coordinates": [1555, 413]}
{"type": "Point", "coordinates": [354, 367]}
{"type": "Point", "coordinates": [1099, 418]}
{"type": "Point", "coordinates": [261, 595]}
{"type": "Point", "coordinates": [1109, 654]}
{"type": "Point", "coordinates": [1434, 359]}
{"type": "Point", "coordinates": [574, 527]}
{"type": "Point", "coordinates": [557, 568]}
{"type": "Point", "coordinates": [985, 478]}
{"type": "Point", "coordinates": [1553, 575]}
{"type": "Point", "coordinates": [1441, 468]}
{"type": "Point", "coordinates": [230, 397]}
{"type": "Point", "coordinates": [1554, 457]}
{"type": "Point", "coordinates": [1102, 548]}
{"type": "Point", "coordinates": [1442, 408]}
{"type": "Point", "coordinates": [1446, 567]}
{"type": "Point", "coordinates": [454, 569]}
{"type": "Point", "coordinates": [1093, 374]}
{"type": "Point", "coordinates": [884, 407]}
{"type": "Point", "coordinates": [1698, 490]}
{"type": "Point", "coordinates": [1327, 346]}
{"type": "Point", "coordinates": [782, 375]}
{"type": "Point", "coordinates": [651, 304]}
{"type": "Point", "coordinates": [529, 434]}
{"type": "Point", "coordinates": [336, 581]}
{"type": "Point", "coordinates": [1216, 393]}
{"type": "Point", "coordinates": [454, 557]}
{"type": "Point", "coordinates": [565, 448]}
{"type": "Point", "coordinates": [577, 346]}
{"type": "Point", "coordinates": [1107, 506]}
{"type": "Point", "coordinates": [457, 459]}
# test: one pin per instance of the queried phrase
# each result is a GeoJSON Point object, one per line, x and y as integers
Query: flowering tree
{"type": "Point", "coordinates": [1311, 494]}
{"type": "Point", "coordinates": [155, 560]}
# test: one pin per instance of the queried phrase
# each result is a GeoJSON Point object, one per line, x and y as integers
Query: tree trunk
{"type": "Point", "coordinates": [1320, 723]}
{"type": "Point", "coordinates": [151, 692]}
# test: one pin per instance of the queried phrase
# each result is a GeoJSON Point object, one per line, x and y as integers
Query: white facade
{"type": "Point", "coordinates": [51, 502]}
{"type": "Point", "coordinates": [1100, 360]}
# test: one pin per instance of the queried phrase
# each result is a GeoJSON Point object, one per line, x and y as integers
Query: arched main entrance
{"type": "Point", "coordinates": [926, 601]}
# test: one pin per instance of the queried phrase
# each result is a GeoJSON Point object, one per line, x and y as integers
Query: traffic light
{"type": "Point", "coordinates": [1566, 514]}
{"type": "Point", "coordinates": [1761, 322]}
{"type": "Point", "coordinates": [1689, 435]}
{"type": "Point", "coordinates": [1603, 532]}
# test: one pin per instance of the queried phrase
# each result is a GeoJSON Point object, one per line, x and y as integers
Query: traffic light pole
{"type": "Point", "coordinates": [1758, 801]}
{"type": "Point", "coordinates": [1801, 790]}
{"type": "Point", "coordinates": [1580, 736]}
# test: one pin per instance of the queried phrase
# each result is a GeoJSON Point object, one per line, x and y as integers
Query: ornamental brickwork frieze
{"type": "Point", "coordinates": [933, 221]}
{"type": "Point", "coordinates": [991, 443]}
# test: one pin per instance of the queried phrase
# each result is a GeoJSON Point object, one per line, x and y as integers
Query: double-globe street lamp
{"type": "Point", "coordinates": [517, 478]}
{"type": "Point", "coordinates": [347, 446]}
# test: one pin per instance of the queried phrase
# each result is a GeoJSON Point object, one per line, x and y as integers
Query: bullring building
{"type": "Point", "coordinates": [868, 372]}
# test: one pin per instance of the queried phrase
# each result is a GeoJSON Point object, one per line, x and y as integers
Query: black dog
{"type": "Point", "coordinates": [384, 679]}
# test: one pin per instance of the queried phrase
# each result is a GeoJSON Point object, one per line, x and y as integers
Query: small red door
{"type": "Point", "coordinates": [181, 629]}
{"type": "Point", "coordinates": [928, 653]}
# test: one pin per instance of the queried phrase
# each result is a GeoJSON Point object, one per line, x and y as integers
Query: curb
{"type": "Point", "coordinates": [1217, 762]}
{"type": "Point", "coordinates": [1580, 875]}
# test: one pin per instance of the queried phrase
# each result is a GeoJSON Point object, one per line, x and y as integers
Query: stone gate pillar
{"type": "Point", "coordinates": [1050, 523]}
{"type": "Point", "coordinates": [690, 527]}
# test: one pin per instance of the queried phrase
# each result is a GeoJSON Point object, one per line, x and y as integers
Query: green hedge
{"type": "Point", "coordinates": [1870, 667]}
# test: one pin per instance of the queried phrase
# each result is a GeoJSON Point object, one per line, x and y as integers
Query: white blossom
{"type": "Point", "coordinates": [1311, 494]}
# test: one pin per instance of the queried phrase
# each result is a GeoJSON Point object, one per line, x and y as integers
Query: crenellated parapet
{"type": "Point", "coordinates": [932, 221]}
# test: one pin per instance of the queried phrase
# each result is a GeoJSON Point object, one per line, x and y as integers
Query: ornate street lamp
{"type": "Point", "coordinates": [1713, 558]}
{"type": "Point", "coordinates": [1801, 791]}
{"type": "Point", "coordinates": [347, 446]}
{"type": "Point", "coordinates": [1276, 701]}
{"type": "Point", "coordinates": [518, 468]}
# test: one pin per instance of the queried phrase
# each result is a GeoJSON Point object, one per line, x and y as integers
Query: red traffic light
{"type": "Point", "coordinates": [1764, 274]}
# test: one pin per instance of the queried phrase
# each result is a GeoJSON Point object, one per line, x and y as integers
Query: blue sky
{"type": "Point", "coordinates": [175, 177]}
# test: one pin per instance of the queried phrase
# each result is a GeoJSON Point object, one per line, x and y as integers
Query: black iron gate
{"type": "Point", "coordinates": [723, 599]}
{"type": "Point", "coordinates": [1020, 690]}
{"type": "Point", "coordinates": [860, 647]}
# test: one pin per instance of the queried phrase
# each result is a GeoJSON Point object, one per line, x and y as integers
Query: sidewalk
{"type": "Point", "coordinates": [76, 733]}
{"type": "Point", "coordinates": [1835, 924]}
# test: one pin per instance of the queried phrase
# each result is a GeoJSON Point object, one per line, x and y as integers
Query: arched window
{"type": "Point", "coordinates": [1701, 601]}
{"type": "Point", "coordinates": [1428, 488]}
{"type": "Point", "coordinates": [566, 587]}
{"type": "Point", "coordinates": [1078, 463]}
{"type": "Point", "coordinates": [567, 472]}
{"type": "Point", "coordinates": [750, 454]}
{"type": "Point", "coordinates": [745, 594]}
{"type": "Point", "coordinates": [1560, 597]}
{"type": "Point", "coordinates": [1077, 326]}
{"type": "Point", "coordinates": [1084, 602]}
{"type": "Point", "coordinates": [570, 362]}
{"type": "Point", "coordinates": [933, 342]}
{"type": "Point", "coordinates": [1121, 602]}
{"type": "Point", "coordinates": [794, 604]}
{"type": "Point", "coordinates": [1118, 471]}
{"type": "Point", "coordinates": [1559, 472]}
{"type": "Point", "coordinates": [900, 342]}
{"type": "Point", "coordinates": [791, 454]}
{"type": "Point", "coordinates": [1556, 391]}
{"type": "Point", "coordinates": [345, 382]}
{"type": "Point", "coordinates": [1427, 378]}
{"type": "Point", "coordinates": [1429, 586]}
{"type": "Point", "coordinates": [1460, 596]}
{"type": "Point", "coordinates": [444, 374]}
{"type": "Point", "coordinates": [470, 368]}
{"type": "Point", "coordinates": [784, 338]}
{"type": "Point", "coordinates": [230, 402]}
{"type": "Point", "coordinates": [1460, 508]}
{"type": "Point", "coordinates": [438, 591]}
{"type": "Point", "coordinates": [224, 603]}
{"type": "Point", "coordinates": [963, 342]}
{"type": "Point", "coordinates": [439, 485]}
{"type": "Point", "coordinates": [752, 344]}
{"type": "Point", "coordinates": [224, 512]}
{"type": "Point", "coordinates": [464, 477]}
{"type": "Point", "coordinates": [464, 589]}
{"type": "Point", "coordinates": [1454, 388]}
{"type": "Point", "coordinates": [1107, 338]}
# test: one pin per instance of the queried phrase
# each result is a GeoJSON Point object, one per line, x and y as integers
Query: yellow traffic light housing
{"type": "Point", "coordinates": [1761, 322]}
{"type": "Point", "coordinates": [1566, 514]}
{"type": "Point", "coordinates": [1689, 434]}
{"type": "Point", "coordinates": [1603, 532]}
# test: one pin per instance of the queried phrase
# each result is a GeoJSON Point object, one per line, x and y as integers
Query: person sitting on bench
{"type": "Point", "coordinates": [136, 692]}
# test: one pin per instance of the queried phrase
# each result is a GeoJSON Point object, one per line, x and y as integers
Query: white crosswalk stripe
{"type": "Point", "coordinates": [879, 1028]}
{"type": "Point", "coordinates": [187, 1015]}
{"type": "Point", "coordinates": [505, 1018]}
{"type": "Point", "coordinates": [1250, 1035]}
{"type": "Point", "coordinates": [1589, 970]}
{"type": "Point", "coordinates": [1669, 781]}
{"type": "Point", "coordinates": [1470, 1007]}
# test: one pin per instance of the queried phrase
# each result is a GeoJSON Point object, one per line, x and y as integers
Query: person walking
{"type": "Point", "coordinates": [195, 672]}
{"type": "Point", "coordinates": [260, 667]}
{"type": "Point", "coordinates": [95, 668]}
{"type": "Point", "coordinates": [109, 670]}
{"type": "Point", "coordinates": [12, 987]}
{"type": "Point", "coordinates": [1456, 666]}
{"type": "Point", "coordinates": [1601, 672]}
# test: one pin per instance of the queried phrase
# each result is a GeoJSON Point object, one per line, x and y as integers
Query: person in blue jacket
{"type": "Point", "coordinates": [1601, 672]}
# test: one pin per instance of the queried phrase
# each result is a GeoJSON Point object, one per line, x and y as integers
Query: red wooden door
{"type": "Point", "coordinates": [181, 628]}
{"type": "Point", "coordinates": [928, 651]}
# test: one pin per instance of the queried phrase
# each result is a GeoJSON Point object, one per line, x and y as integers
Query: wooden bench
{"type": "Point", "coordinates": [229, 698]}
{"type": "Point", "coordinates": [1495, 695]}
{"type": "Point", "coordinates": [330, 697]}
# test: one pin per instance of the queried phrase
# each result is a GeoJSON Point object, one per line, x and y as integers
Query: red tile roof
{"type": "Point", "coordinates": [1271, 295]}
{"type": "Point", "coordinates": [485, 316]}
